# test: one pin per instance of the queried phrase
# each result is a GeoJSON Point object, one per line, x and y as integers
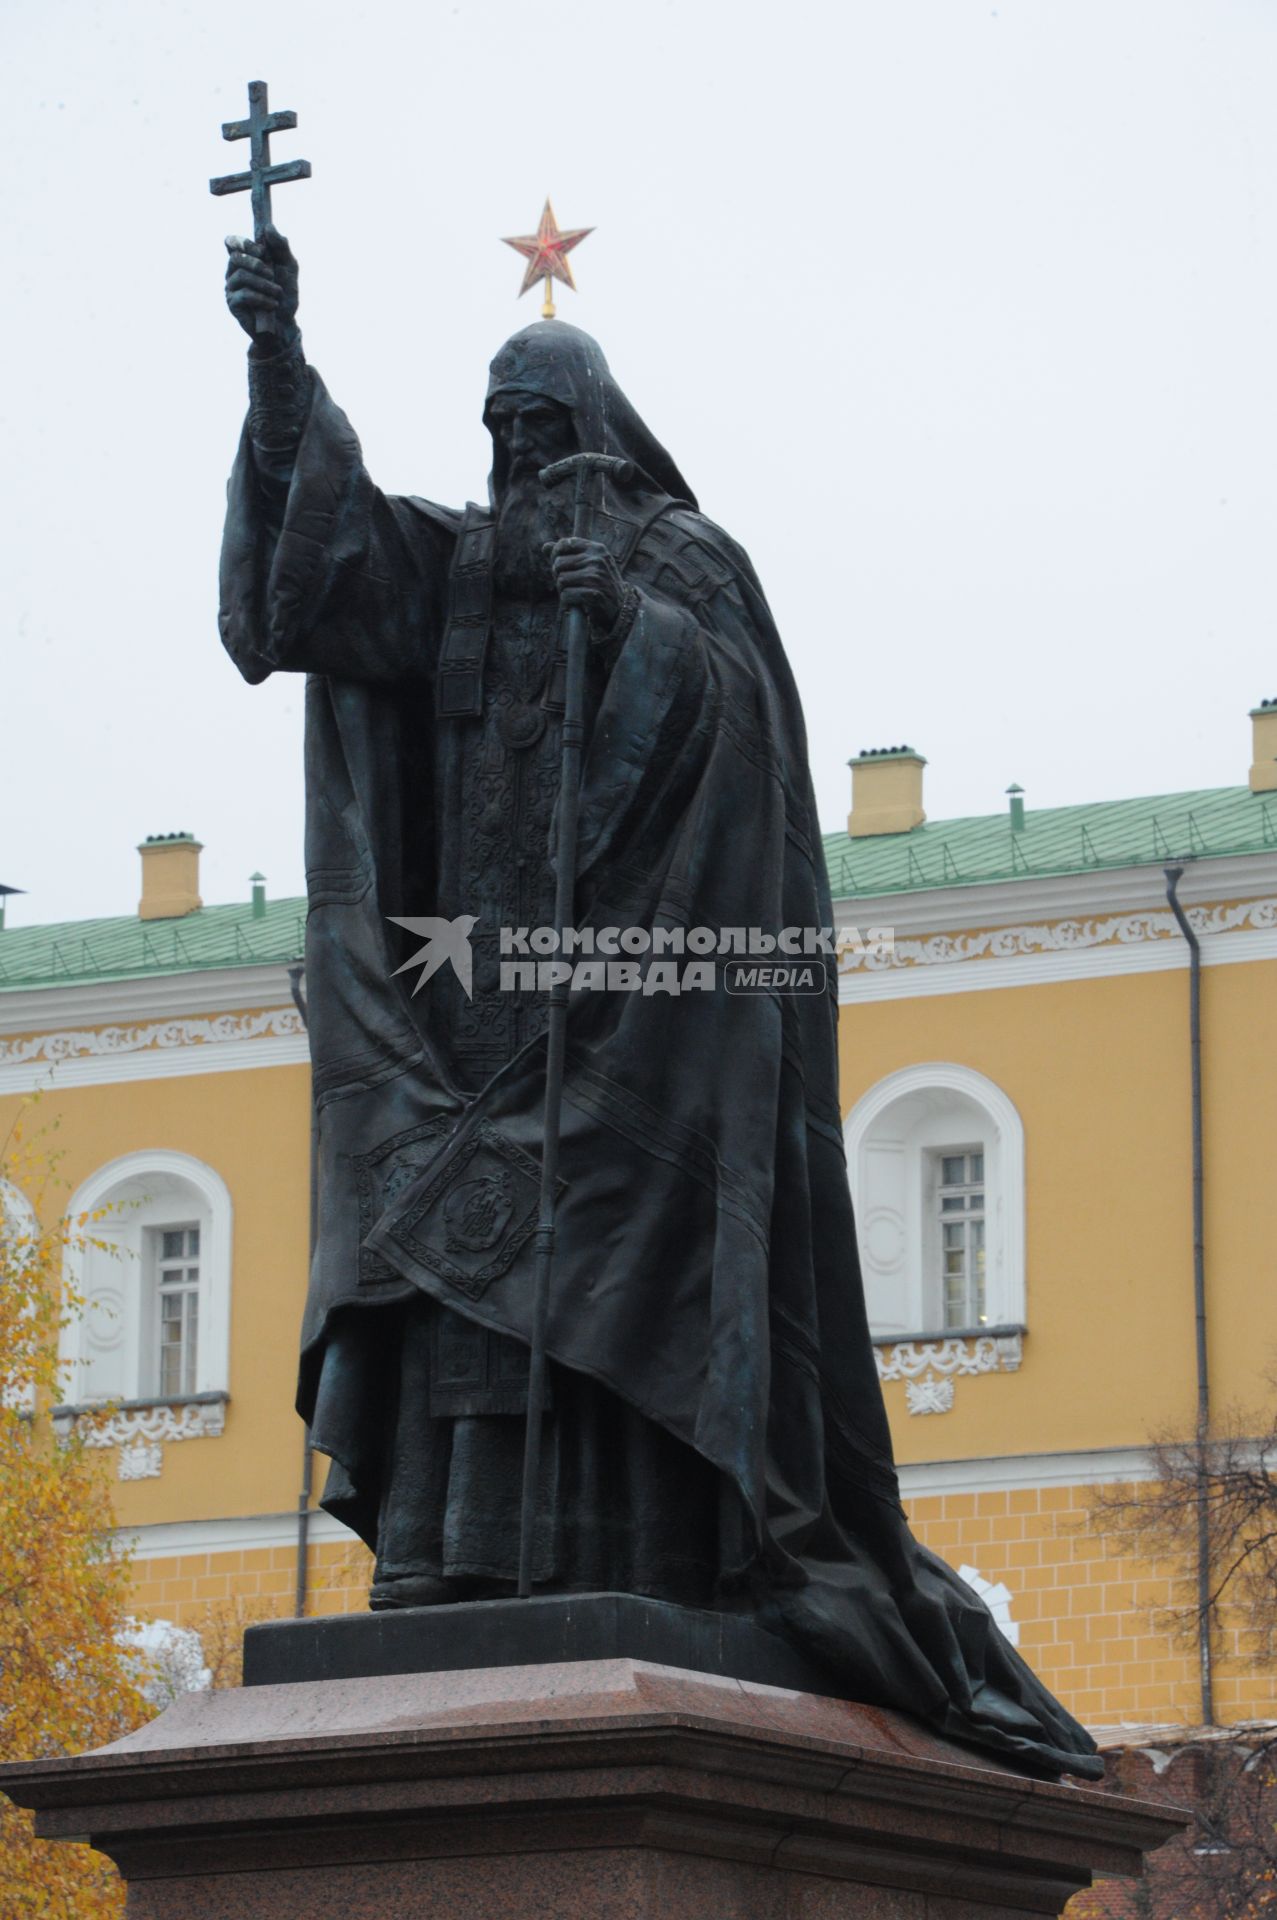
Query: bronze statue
{"type": "Point", "coordinates": [712, 1425]}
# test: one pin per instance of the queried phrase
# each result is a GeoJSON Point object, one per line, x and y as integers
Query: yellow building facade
{"type": "Point", "coordinates": [1018, 987]}
{"type": "Point", "coordinates": [1017, 1091]}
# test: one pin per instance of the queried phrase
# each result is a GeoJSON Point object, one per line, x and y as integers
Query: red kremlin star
{"type": "Point", "coordinates": [546, 253]}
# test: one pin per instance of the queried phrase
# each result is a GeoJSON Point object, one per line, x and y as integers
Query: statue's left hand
{"type": "Point", "coordinates": [587, 576]}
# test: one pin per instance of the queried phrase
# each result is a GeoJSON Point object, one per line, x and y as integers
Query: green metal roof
{"type": "Point", "coordinates": [940, 853]}
{"type": "Point", "coordinates": [78, 951]}
{"type": "Point", "coordinates": [1054, 840]}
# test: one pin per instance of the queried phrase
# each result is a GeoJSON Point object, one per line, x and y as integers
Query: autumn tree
{"type": "Point", "coordinates": [66, 1682]}
{"type": "Point", "coordinates": [1220, 1489]}
{"type": "Point", "coordinates": [1209, 1507]}
{"type": "Point", "coordinates": [1222, 1867]}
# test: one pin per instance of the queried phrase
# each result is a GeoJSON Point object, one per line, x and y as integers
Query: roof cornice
{"type": "Point", "coordinates": [169, 995]}
{"type": "Point", "coordinates": [1056, 897]}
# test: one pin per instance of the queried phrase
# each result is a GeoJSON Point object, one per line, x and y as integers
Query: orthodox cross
{"type": "Point", "coordinates": [546, 253]}
{"type": "Point", "coordinates": [261, 175]}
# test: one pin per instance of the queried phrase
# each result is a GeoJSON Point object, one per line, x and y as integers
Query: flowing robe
{"type": "Point", "coordinates": [706, 1271]}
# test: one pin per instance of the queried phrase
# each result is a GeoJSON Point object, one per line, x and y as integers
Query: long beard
{"type": "Point", "coordinates": [529, 518]}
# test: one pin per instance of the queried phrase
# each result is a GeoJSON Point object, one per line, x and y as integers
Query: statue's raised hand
{"type": "Point", "coordinates": [587, 576]}
{"type": "Point", "coordinates": [261, 278]}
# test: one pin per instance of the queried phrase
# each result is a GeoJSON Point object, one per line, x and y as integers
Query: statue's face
{"type": "Point", "coordinates": [534, 432]}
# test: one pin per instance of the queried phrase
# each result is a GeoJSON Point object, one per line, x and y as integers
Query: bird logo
{"type": "Point", "coordinates": [445, 940]}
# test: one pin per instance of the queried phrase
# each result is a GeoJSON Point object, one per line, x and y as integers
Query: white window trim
{"type": "Point", "coordinates": [18, 1210]}
{"type": "Point", "coordinates": [21, 1217]}
{"type": "Point", "coordinates": [212, 1374]}
{"type": "Point", "coordinates": [997, 1598]}
{"type": "Point", "coordinates": [1007, 1306]}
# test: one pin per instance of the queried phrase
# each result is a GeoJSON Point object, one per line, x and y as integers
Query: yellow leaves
{"type": "Point", "coordinates": [65, 1684]}
{"type": "Point", "coordinates": [39, 1881]}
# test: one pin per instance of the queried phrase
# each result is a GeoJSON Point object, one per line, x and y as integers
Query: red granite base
{"type": "Point", "coordinates": [611, 1790]}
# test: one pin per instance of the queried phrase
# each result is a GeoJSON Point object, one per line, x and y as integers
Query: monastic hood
{"type": "Point", "coordinates": [561, 363]}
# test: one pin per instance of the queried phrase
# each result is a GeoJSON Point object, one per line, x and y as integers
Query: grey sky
{"type": "Point", "coordinates": [961, 317]}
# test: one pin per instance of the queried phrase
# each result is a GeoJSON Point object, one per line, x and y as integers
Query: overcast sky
{"type": "Point", "coordinates": [961, 317]}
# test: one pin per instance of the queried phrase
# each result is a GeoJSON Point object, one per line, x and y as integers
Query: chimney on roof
{"type": "Point", "coordinates": [886, 791]}
{"type": "Point", "coordinates": [1263, 772]}
{"type": "Point", "coordinates": [170, 876]}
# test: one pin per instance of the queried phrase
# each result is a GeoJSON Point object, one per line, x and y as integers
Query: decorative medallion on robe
{"type": "Point", "coordinates": [470, 1214]}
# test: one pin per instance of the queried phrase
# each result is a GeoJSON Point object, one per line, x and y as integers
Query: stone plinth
{"type": "Point", "coordinates": [557, 1629]}
{"type": "Point", "coordinates": [605, 1789]}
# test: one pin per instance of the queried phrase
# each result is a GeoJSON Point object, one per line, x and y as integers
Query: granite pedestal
{"type": "Point", "coordinates": [608, 1789]}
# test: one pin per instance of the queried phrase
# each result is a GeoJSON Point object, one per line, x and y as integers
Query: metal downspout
{"type": "Point", "coordinates": [296, 977]}
{"type": "Point", "coordinates": [1173, 877]}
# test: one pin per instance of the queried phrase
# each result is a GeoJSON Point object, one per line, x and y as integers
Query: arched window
{"type": "Point", "coordinates": [155, 1280]}
{"type": "Point", "coordinates": [935, 1155]}
{"type": "Point", "coordinates": [19, 1231]}
{"type": "Point", "coordinates": [18, 1226]}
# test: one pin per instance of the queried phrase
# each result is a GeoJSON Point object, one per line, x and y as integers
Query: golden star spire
{"type": "Point", "coordinates": [546, 253]}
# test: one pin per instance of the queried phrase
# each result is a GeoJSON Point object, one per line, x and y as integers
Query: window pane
{"type": "Point", "coordinates": [178, 1334]}
{"type": "Point", "coordinates": [171, 1350]}
{"type": "Point", "coordinates": [959, 1214]}
{"type": "Point", "coordinates": [172, 1244]}
{"type": "Point", "coordinates": [193, 1240]}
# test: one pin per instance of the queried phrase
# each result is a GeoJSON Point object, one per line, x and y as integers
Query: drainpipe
{"type": "Point", "coordinates": [1173, 877]}
{"type": "Point", "coordinates": [296, 979]}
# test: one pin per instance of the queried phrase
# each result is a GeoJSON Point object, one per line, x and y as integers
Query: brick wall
{"type": "Point", "coordinates": [1090, 1620]}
